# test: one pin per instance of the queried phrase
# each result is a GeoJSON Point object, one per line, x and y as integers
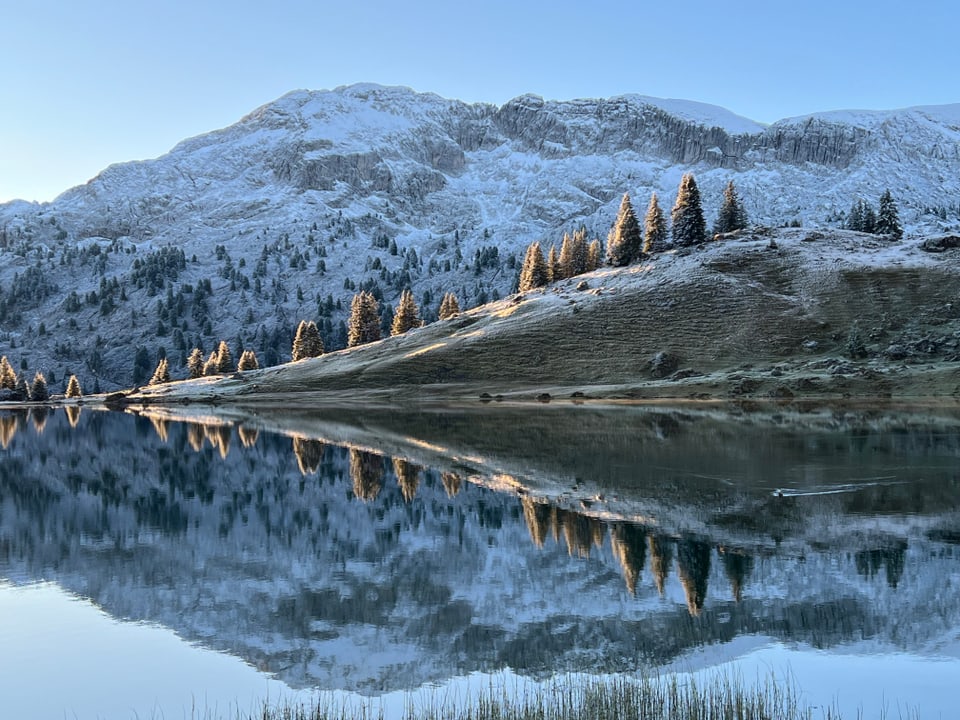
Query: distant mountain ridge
{"type": "Point", "coordinates": [351, 176]}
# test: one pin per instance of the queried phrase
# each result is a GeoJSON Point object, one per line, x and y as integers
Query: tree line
{"type": "Point", "coordinates": [628, 243]}
{"type": "Point", "coordinates": [364, 327]}
{"type": "Point", "coordinates": [14, 386]}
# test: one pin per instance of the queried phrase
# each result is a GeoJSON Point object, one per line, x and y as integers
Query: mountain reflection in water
{"type": "Point", "coordinates": [372, 553]}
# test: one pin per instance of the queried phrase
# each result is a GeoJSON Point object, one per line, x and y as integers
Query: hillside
{"type": "Point", "coordinates": [240, 233]}
{"type": "Point", "coordinates": [767, 315]}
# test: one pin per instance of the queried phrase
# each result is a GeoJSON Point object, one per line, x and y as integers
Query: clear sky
{"type": "Point", "coordinates": [85, 83]}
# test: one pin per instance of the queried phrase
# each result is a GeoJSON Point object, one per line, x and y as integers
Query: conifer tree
{"type": "Point", "coordinates": [533, 274]}
{"type": "Point", "coordinates": [73, 387]}
{"type": "Point", "coordinates": [364, 320]}
{"type": "Point", "coordinates": [888, 221]}
{"type": "Point", "coordinates": [386, 320]}
{"type": "Point", "coordinates": [732, 216]}
{"type": "Point", "coordinates": [307, 342]}
{"type": "Point", "coordinates": [624, 242]}
{"type": "Point", "coordinates": [564, 268]}
{"type": "Point", "coordinates": [407, 315]}
{"type": "Point", "coordinates": [21, 392]}
{"type": "Point", "coordinates": [38, 390]}
{"type": "Point", "coordinates": [224, 358]}
{"type": "Point", "coordinates": [689, 227]}
{"type": "Point", "coordinates": [862, 217]}
{"type": "Point", "coordinates": [594, 253]}
{"type": "Point", "coordinates": [195, 363]}
{"type": "Point", "coordinates": [449, 307]}
{"type": "Point", "coordinates": [161, 374]}
{"type": "Point", "coordinates": [553, 265]}
{"type": "Point", "coordinates": [8, 376]}
{"type": "Point", "coordinates": [576, 264]}
{"type": "Point", "coordinates": [654, 227]}
{"type": "Point", "coordinates": [248, 361]}
{"type": "Point", "coordinates": [211, 365]}
{"type": "Point", "coordinates": [855, 217]}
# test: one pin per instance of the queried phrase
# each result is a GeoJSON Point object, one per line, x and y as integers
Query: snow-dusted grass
{"type": "Point", "coordinates": [766, 315]}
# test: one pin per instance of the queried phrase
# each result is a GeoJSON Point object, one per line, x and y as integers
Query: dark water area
{"type": "Point", "coordinates": [383, 552]}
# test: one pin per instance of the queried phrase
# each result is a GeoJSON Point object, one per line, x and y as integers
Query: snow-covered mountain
{"type": "Point", "coordinates": [320, 193]}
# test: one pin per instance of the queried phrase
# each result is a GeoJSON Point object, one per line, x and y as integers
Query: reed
{"type": "Point", "coordinates": [721, 697]}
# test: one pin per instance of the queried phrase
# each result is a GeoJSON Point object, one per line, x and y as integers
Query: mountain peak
{"type": "Point", "coordinates": [371, 184]}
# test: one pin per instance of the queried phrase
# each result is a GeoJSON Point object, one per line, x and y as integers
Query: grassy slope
{"type": "Point", "coordinates": [729, 311]}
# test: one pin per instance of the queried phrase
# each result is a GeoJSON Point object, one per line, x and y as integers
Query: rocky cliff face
{"type": "Point", "coordinates": [320, 193]}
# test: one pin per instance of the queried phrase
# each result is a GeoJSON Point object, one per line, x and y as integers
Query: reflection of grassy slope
{"type": "Point", "coordinates": [654, 461]}
{"type": "Point", "coordinates": [718, 309]}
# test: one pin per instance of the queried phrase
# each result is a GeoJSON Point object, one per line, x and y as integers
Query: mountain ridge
{"type": "Point", "coordinates": [317, 194]}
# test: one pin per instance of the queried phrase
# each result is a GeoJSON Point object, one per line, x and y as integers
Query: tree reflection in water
{"type": "Point", "coordinates": [366, 474]}
{"type": "Point", "coordinates": [408, 477]}
{"type": "Point", "coordinates": [309, 454]}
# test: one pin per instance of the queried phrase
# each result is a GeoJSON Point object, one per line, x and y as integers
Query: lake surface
{"type": "Point", "coordinates": [157, 568]}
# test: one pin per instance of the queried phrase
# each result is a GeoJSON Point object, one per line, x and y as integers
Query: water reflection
{"type": "Point", "coordinates": [366, 473]}
{"type": "Point", "coordinates": [309, 454]}
{"type": "Point", "coordinates": [332, 560]}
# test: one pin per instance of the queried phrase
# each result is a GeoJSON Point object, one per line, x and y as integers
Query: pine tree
{"type": "Point", "coordinates": [248, 361]}
{"type": "Point", "coordinates": [732, 215]}
{"type": "Point", "coordinates": [564, 267]}
{"type": "Point", "coordinates": [888, 221]}
{"type": "Point", "coordinates": [21, 392]}
{"type": "Point", "coordinates": [449, 307]}
{"type": "Point", "coordinates": [577, 265]}
{"type": "Point", "coordinates": [533, 274]}
{"type": "Point", "coordinates": [224, 358]}
{"type": "Point", "coordinates": [73, 387]}
{"type": "Point", "coordinates": [161, 374]}
{"type": "Point", "coordinates": [386, 320]}
{"type": "Point", "coordinates": [211, 365]}
{"type": "Point", "coordinates": [594, 255]}
{"type": "Point", "coordinates": [855, 217]}
{"type": "Point", "coordinates": [654, 227]}
{"type": "Point", "coordinates": [862, 217]}
{"type": "Point", "coordinates": [38, 390]}
{"type": "Point", "coordinates": [195, 363]}
{"type": "Point", "coordinates": [8, 376]}
{"type": "Point", "coordinates": [553, 265]}
{"type": "Point", "coordinates": [307, 342]}
{"type": "Point", "coordinates": [624, 243]}
{"type": "Point", "coordinates": [364, 320]}
{"type": "Point", "coordinates": [689, 227]}
{"type": "Point", "coordinates": [407, 315]}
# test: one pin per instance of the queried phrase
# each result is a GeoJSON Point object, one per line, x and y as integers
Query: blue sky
{"type": "Point", "coordinates": [85, 83]}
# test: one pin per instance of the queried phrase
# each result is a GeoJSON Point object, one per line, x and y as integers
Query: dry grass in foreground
{"type": "Point", "coordinates": [720, 698]}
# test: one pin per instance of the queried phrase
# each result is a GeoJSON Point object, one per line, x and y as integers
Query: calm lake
{"type": "Point", "coordinates": [156, 568]}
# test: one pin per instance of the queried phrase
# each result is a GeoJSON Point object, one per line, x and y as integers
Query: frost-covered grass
{"type": "Point", "coordinates": [720, 698]}
{"type": "Point", "coordinates": [765, 316]}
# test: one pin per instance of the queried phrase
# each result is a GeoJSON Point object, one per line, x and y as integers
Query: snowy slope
{"type": "Point", "coordinates": [340, 175]}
